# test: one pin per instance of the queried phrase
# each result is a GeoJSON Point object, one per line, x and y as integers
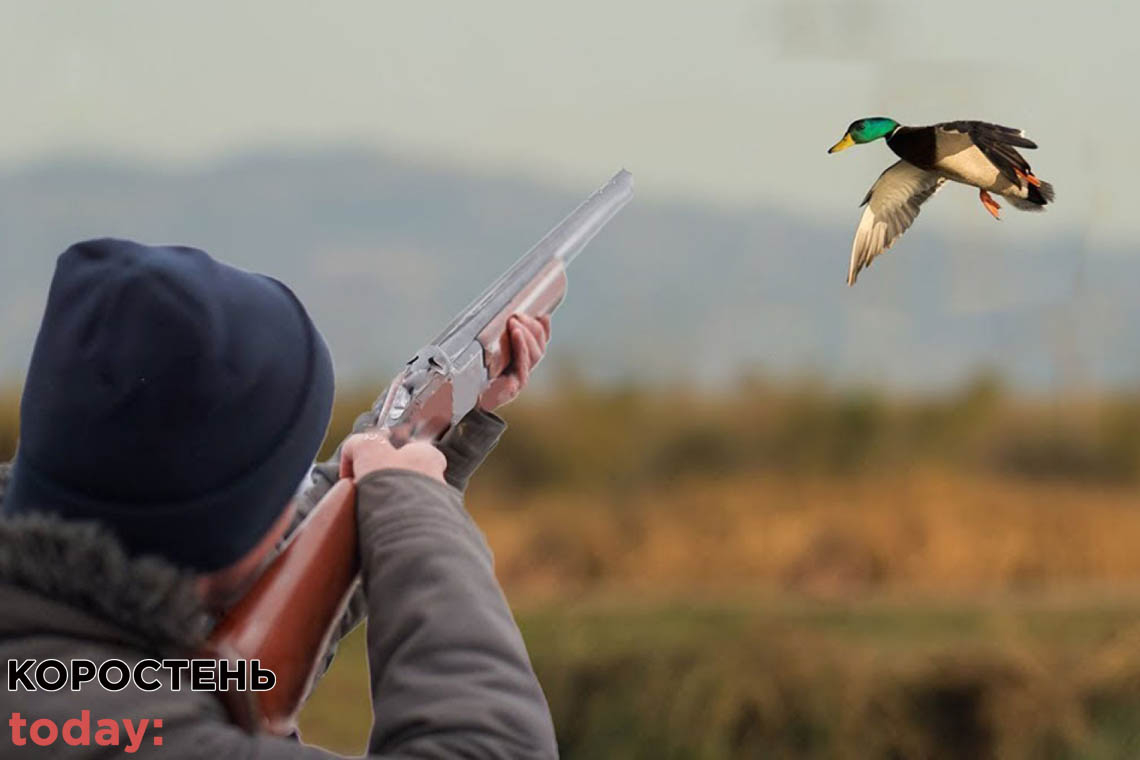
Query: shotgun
{"type": "Point", "coordinates": [287, 619]}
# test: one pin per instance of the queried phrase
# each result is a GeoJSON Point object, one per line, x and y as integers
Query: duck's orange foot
{"type": "Point", "coordinates": [1028, 177]}
{"type": "Point", "coordinates": [990, 204]}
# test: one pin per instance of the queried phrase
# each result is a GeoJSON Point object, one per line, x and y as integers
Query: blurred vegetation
{"type": "Point", "coordinates": [582, 437]}
{"type": "Point", "coordinates": [793, 570]}
{"type": "Point", "coordinates": [772, 678]}
{"type": "Point", "coordinates": [786, 569]}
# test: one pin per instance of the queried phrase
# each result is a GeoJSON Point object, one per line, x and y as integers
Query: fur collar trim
{"type": "Point", "coordinates": [83, 565]}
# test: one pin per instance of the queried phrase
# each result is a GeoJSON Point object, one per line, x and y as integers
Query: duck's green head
{"type": "Point", "coordinates": [864, 131]}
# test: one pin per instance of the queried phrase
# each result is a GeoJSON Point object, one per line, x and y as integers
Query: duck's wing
{"type": "Point", "coordinates": [892, 205]}
{"type": "Point", "coordinates": [999, 144]}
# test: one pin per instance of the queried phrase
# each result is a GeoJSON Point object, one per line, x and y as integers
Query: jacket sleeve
{"type": "Point", "coordinates": [450, 672]}
{"type": "Point", "coordinates": [465, 446]}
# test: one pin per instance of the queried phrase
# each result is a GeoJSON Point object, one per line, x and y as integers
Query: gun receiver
{"type": "Point", "coordinates": [288, 617]}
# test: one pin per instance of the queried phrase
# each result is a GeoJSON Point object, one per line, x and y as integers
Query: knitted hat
{"type": "Point", "coordinates": [176, 400]}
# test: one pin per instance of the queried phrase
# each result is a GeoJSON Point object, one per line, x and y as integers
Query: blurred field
{"type": "Point", "coordinates": [786, 677]}
{"type": "Point", "coordinates": [791, 570]}
{"type": "Point", "coordinates": [929, 529]}
{"type": "Point", "coordinates": [808, 490]}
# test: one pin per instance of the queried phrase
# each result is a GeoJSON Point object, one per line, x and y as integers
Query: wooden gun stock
{"type": "Point", "coordinates": [287, 619]}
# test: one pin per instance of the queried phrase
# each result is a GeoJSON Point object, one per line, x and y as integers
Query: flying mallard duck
{"type": "Point", "coordinates": [971, 152]}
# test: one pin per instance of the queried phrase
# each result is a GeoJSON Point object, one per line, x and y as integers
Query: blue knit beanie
{"type": "Point", "coordinates": [176, 400]}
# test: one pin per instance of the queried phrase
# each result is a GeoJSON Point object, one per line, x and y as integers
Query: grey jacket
{"type": "Point", "coordinates": [450, 673]}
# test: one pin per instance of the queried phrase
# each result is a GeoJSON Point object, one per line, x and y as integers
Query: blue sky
{"type": "Point", "coordinates": [730, 102]}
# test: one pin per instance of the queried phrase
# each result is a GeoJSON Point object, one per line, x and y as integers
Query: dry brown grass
{"type": "Point", "coordinates": [927, 528]}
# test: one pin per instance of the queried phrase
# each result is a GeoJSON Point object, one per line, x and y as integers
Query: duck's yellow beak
{"type": "Point", "coordinates": [846, 142]}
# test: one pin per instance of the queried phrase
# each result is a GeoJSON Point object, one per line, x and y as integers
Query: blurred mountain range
{"type": "Point", "coordinates": [383, 251]}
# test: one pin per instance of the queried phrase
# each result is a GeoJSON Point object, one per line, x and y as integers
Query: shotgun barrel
{"type": "Point", "coordinates": [442, 382]}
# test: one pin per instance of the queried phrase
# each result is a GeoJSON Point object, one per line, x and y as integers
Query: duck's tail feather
{"type": "Point", "coordinates": [1042, 193]}
{"type": "Point", "coordinates": [1036, 198]}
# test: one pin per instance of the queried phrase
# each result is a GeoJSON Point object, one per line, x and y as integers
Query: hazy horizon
{"type": "Point", "coordinates": [672, 292]}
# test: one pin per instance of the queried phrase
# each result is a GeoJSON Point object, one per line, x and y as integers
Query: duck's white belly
{"type": "Point", "coordinates": [971, 167]}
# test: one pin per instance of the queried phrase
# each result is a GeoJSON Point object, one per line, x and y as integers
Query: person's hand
{"type": "Point", "coordinates": [371, 451]}
{"type": "Point", "coordinates": [529, 336]}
